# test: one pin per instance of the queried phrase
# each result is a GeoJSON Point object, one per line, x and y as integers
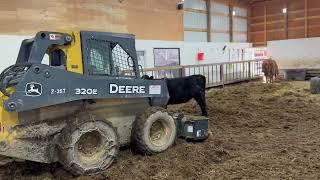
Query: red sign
{"type": "Point", "coordinates": [261, 53]}
{"type": "Point", "coordinates": [200, 56]}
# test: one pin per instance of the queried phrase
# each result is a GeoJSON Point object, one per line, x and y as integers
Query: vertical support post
{"type": "Point", "coordinates": [222, 74]}
{"type": "Point", "coordinates": [249, 10]}
{"type": "Point", "coordinates": [226, 73]}
{"type": "Point", "coordinates": [243, 72]}
{"type": "Point", "coordinates": [249, 69]}
{"type": "Point", "coordinates": [231, 22]}
{"type": "Point", "coordinates": [306, 18]}
{"type": "Point", "coordinates": [183, 71]}
{"type": "Point", "coordinates": [232, 65]}
{"type": "Point", "coordinates": [216, 73]}
{"type": "Point", "coordinates": [212, 75]}
{"type": "Point", "coordinates": [208, 5]}
{"type": "Point", "coordinates": [265, 24]}
{"type": "Point", "coordinates": [208, 79]}
{"type": "Point", "coordinates": [285, 17]}
{"type": "Point", "coordinates": [242, 54]}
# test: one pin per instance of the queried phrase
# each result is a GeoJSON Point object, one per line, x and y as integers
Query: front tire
{"type": "Point", "coordinates": [89, 148]}
{"type": "Point", "coordinates": [154, 131]}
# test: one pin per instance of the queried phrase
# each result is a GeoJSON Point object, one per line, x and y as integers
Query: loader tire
{"type": "Point", "coordinates": [89, 148]}
{"type": "Point", "coordinates": [154, 131]}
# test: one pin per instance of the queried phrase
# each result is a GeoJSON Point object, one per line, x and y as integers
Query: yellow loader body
{"type": "Point", "coordinates": [8, 120]}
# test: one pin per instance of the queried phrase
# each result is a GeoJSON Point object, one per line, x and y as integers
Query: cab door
{"type": "Point", "coordinates": [109, 54]}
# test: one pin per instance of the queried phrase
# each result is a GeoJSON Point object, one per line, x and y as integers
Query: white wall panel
{"type": "Point", "coordinates": [219, 8]}
{"type": "Point", "coordinates": [239, 24]}
{"type": "Point", "coordinates": [213, 51]}
{"type": "Point", "coordinates": [240, 11]}
{"type": "Point", "coordinates": [190, 36]}
{"type": "Point", "coordinates": [195, 20]}
{"type": "Point", "coordinates": [239, 38]}
{"type": "Point", "coordinates": [10, 46]}
{"type": "Point", "coordinates": [296, 53]}
{"type": "Point", "coordinates": [195, 4]}
{"type": "Point", "coordinates": [220, 23]}
{"type": "Point", "coordinates": [220, 37]}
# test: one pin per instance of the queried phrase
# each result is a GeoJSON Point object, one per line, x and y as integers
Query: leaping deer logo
{"type": "Point", "coordinates": [33, 89]}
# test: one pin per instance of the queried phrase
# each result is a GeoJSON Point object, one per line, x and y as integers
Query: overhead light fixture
{"type": "Point", "coordinates": [180, 4]}
{"type": "Point", "coordinates": [233, 13]}
{"type": "Point", "coordinates": [284, 10]}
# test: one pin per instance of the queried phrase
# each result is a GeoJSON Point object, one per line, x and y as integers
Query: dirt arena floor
{"type": "Point", "coordinates": [258, 131]}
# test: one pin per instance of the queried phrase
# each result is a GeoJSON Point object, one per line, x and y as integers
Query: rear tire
{"type": "Point", "coordinates": [89, 148]}
{"type": "Point", "coordinates": [154, 131]}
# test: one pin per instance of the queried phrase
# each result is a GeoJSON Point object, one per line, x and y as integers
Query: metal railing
{"type": "Point", "coordinates": [216, 74]}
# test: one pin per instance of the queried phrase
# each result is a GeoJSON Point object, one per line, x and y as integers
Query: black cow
{"type": "Point", "coordinates": [181, 90]}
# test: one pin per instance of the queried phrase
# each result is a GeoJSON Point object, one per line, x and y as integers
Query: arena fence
{"type": "Point", "coordinates": [217, 74]}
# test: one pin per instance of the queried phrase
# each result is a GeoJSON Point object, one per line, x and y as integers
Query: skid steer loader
{"type": "Point", "coordinates": [82, 106]}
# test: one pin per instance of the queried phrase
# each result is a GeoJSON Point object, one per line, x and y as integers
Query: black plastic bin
{"type": "Point", "coordinates": [295, 74]}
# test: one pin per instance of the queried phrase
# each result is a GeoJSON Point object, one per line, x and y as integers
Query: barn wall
{"type": "Point", "coordinates": [213, 21]}
{"type": "Point", "coordinates": [195, 21]}
{"type": "Point", "coordinates": [296, 53]}
{"type": "Point", "coordinates": [213, 52]}
{"type": "Point", "coordinates": [147, 19]}
{"type": "Point", "coordinates": [269, 23]}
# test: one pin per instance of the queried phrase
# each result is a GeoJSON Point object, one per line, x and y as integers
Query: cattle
{"type": "Point", "coordinates": [183, 89]}
{"type": "Point", "coordinates": [270, 70]}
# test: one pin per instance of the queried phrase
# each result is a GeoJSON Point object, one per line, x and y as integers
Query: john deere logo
{"type": "Point", "coordinates": [33, 89]}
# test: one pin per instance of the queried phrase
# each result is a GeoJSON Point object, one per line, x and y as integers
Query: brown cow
{"type": "Point", "coordinates": [270, 70]}
{"type": "Point", "coordinates": [275, 69]}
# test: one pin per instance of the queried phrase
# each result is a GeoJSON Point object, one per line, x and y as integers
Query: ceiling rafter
{"type": "Point", "coordinates": [250, 2]}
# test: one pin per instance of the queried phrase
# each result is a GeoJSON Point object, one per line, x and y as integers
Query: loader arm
{"type": "Point", "coordinates": [43, 86]}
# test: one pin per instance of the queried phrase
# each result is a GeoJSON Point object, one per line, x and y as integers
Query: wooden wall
{"type": "Point", "coordinates": [268, 22]}
{"type": "Point", "coordinates": [147, 19]}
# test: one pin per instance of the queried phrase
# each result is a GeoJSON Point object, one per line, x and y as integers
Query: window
{"type": "Point", "coordinates": [108, 58]}
{"type": "Point", "coordinates": [141, 58]}
{"type": "Point", "coordinates": [100, 61]}
{"type": "Point", "coordinates": [123, 63]}
{"type": "Point", "coordinates": [165, 57]}
{"type": "Point", "coordinates": [98, 64]}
